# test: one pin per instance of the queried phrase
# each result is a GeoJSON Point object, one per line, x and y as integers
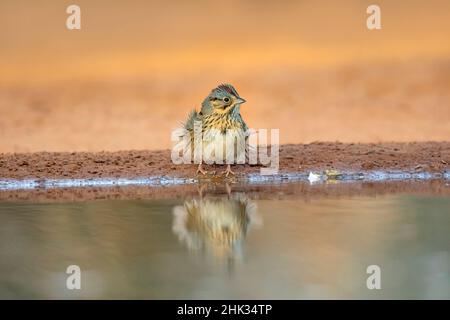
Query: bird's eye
{"type": "Point", "coordinates": [226, 99]}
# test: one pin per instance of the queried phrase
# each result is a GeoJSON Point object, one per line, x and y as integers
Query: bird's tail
{"type": "Point", "coordinates": [192, 117]}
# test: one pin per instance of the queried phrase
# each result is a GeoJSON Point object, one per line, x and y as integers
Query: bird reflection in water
{"type": "Point", "coordinates": [217, 224]}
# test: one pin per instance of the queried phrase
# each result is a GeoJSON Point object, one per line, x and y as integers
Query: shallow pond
{"type": "Point", "coordinates": [228, 246]}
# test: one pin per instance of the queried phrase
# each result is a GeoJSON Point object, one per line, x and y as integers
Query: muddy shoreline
{"type": "Point", "coordinates": [416, 157]}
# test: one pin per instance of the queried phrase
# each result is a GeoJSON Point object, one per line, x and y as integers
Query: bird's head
{"type": "Point", "coordinates": [223, 99]}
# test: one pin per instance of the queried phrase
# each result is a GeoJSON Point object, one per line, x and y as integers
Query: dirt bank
{"type": "Point", "coordinates": [423, 156]}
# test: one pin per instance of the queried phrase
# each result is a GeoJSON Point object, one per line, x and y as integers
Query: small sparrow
{"type": "Point", "coordinates": [221, 121]}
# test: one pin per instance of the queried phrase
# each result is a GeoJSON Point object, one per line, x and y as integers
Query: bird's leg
{"type": "Point", "coordinates": [200, 169]}
{"type": "Point", "coordinates": [227, 187]}
{"type": "Point", "coordinates": [201, 188]}
{"type": "Point", "coordinates": [228, 171]}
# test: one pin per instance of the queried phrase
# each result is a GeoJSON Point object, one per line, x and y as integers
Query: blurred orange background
{"type": "Point", "coordinates": [135, 69]}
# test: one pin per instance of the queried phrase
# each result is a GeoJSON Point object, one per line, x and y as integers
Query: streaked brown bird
{"type": "Point", "coordinates": [222, 128]}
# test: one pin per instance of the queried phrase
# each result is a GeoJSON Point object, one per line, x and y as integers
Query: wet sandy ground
{"type": "Point", "coordinates": [300, 190]}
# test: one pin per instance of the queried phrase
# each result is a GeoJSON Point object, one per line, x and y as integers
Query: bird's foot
{"type": "Point", "coordinates": [200, 170]}
{"type": "Point", "coordinates": [228, 171]}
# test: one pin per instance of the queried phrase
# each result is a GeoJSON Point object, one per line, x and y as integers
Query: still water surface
{"type": "Point", "coordinates": [228, 247]}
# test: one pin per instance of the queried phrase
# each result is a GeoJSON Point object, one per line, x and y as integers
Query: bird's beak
{"type": "Point", "coordinates": [240, 101]}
